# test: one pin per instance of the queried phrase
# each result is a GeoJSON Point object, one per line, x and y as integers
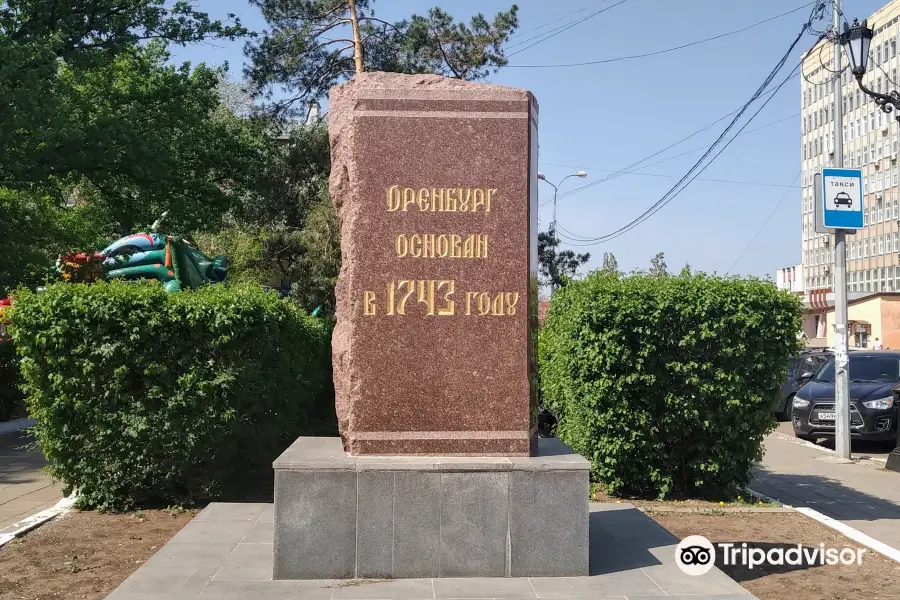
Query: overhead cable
{"type": "Point", "coordinates": [658, 52]}
{"type": "Point", "coordinates": [692, 173]}
{"type": "Point", "coordinates": [629, 171]}
{"type": "Point", "coordinates": [699, 166]}
{"type": "Point", "coordinates": [763, 226]}
{"type": "Point", "coordinates": [566, 28]}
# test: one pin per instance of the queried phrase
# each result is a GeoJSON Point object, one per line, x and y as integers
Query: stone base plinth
{"type": "Point", "coordinates": [341, 516]}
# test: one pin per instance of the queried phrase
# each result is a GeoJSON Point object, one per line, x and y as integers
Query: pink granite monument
{"type": "Point", "coordinates": [435, 183]}
{"type": "Point", "coordinates": [438, 471]}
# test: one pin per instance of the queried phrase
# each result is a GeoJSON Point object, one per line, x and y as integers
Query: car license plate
{"type": "Point", "coordinates": [826, 416]}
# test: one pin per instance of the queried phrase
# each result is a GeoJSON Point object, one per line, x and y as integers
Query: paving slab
{"type": "Point", "coordinates": [863, 495]}
{"type": "Point", "coordinates": [225, 553]}
{"type": "Point", "coordinates": [25, 489]}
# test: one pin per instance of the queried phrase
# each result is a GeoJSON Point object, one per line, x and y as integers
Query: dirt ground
{"type": "Point", "coordinates": [84, 555]}
{"type": "Point", "coordinates": [747, 501]}
{"type": "Point", "coordinates": [876, 578]}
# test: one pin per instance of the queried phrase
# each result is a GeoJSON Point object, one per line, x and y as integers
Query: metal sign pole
{"type": "Point", "coordinates": [841, 346]}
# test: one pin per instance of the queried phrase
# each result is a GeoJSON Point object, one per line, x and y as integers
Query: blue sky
{"type": "Point", "coordinates": [602, 118]}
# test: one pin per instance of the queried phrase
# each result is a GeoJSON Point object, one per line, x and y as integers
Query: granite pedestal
{"type": "Point", "coordinates": [340, 516]}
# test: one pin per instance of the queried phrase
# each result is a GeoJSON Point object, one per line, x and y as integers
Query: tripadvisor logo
{"type": "Point", "coordinates": [696, 555]}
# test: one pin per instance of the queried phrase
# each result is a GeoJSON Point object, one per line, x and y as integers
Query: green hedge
{"type": "Point", "coordinates": [666, 383]}
{"type": "Point", "coordinates": [10, 397]}
{"type": "Point", "coordinates": [142, 397]}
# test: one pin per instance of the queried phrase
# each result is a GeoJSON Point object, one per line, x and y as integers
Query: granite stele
{"type": "Point", "coordinates": [438, 471]}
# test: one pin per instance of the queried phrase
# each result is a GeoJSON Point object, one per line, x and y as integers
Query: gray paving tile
{"type": "Point", "coordinates": [394, 589]}
{"type": "Point", "coordinates": [624, 583]}
{"type": "Point", "coordinates": [121, 594]}
{"type": "Point", "coordinates": [268, 590]}
{"type": "Point", "coordinates": [262, 532]}
{"type": "Point", "coordinates": [251, 556]}
{"type": "Point", "coordinates": [673, 581]}
{"type": "Point", "coordinates": [636, 527]}
{"type": "Point", "coordinates": [188, 555]}
{"type": "Point", "coordinates": [175, 582]}
{"type": "Point", "coordinates": [241, 573]}
{"type": "Point", "coordinates": [483, 587]}
{"type": "Point", "coordinates": [268, 515]}
{"type": "Point", "coordinates": [231, 511]}
{"type": "Point", "coordinates": [213, 532]}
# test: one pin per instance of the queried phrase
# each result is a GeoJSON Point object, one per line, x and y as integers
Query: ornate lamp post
{"type": "Point", "coordinates": [856, 40]}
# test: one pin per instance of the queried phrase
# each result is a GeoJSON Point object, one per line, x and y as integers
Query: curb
{"type": "Point", "coordinates": [35, 521]}
{"type": "Point", "coordinates": [854, 534]}
{"type": "Point", "coordinates": [15, 425]}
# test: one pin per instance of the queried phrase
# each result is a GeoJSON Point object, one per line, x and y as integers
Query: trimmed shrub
{"type": "Point", "coordinates": [142, 397]}
{"type": "Point", "coordinates": [11, 406]}
{"type": "Point", "coordinates": [666, 383]}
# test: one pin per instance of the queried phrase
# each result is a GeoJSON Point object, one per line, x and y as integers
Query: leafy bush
{"type": "Point", "coordinates": [10, 396]}
{"type": "Point", "coordinates": [142, 397]}
{"type": "Point", "coordinates": [665, 383]}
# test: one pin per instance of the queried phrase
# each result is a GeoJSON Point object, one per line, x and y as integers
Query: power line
{"type": "Point", "coordinates": [557, 20]}
{"type": "Point", "coordinates": [731, 181]}
{"type": "Point", "coordinates": [763, 226]}
{"type": "Point", "coordinates": [691, 175]}
{"type": "Point", "coordinates": [636, 172]}
{"type": "Point", "coordinates": [567, 27]}
{"type": "Point", "coordinates": [693, 172]}
{"type": "Point", "coordinates": [631, 168]}
{"type": "Point", "coordinates": [658, 52]}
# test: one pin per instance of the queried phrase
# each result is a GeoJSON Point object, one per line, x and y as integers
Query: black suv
{"type": "Point", "coordinates": [800, 370]}
{"type": "Point", "coordinates": [874, 392]}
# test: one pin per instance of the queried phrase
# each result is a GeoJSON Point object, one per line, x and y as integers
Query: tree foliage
{"type": "Point", "coordinates": [658, 265]}
{"type": "Point", "coordinates": [38, 37]}
{"type": "Point", "coordinates": [320, 260]}
{"type": "Point", "coordinates": [610, 264]}
{"type": "Point", "coordinates": [666, 383]}
{"type": "Point", "coordinates": [557, 267]}
{"type": "Point", "coordinates": [34, 229]}
{"type": "Point", "coordinates": [146, 137]}
{"type": "Point", "coordinates": [311, 46]}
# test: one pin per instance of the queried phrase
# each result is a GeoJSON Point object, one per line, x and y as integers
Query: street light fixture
{"type": "Point", "coordinates": [542, 177]}
{"type": "Point", "coordinates": [856, 40]}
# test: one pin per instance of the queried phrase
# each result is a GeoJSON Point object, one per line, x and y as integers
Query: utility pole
{"type": "Point", "coordinates": [841, 348]}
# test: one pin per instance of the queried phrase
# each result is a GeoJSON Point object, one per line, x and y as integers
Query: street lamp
{"type": "Point", "coordinates": [856, 40]}
{"type": "Point", "coordinates": [555, 191]}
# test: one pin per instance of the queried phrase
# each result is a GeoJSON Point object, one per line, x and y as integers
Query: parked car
{"type": "Point", "coordinates": [800, 370]}
{"type": "Point", "coordinates": [874, 397]}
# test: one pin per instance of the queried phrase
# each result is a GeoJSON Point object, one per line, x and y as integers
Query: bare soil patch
{"type": "Point", "coordinates": [745, 500]}
{"type": "Point", "coordinates": [84, 555]}
{"type": "Point", "coordinates": [876, 578]}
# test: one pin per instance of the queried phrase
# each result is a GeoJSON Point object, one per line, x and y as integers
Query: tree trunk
{"type": "Point", "coordinates": [357, 42]}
